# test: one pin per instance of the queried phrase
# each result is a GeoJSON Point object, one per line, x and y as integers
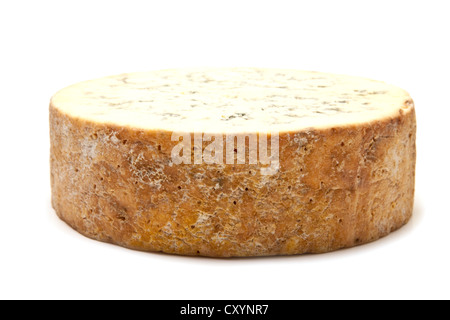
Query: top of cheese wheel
{"type": "Point", "coordinates": [234, 100]}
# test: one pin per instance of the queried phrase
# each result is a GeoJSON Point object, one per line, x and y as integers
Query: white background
{"type": "Point", "coordinates": [47, 45]}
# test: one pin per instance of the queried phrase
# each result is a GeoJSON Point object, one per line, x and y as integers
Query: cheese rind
{"type": "Point", "coordinates": [346, 177]}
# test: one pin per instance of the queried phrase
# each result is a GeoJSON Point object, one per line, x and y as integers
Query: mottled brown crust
{"type": "Point", "coordinates": [336, 188]}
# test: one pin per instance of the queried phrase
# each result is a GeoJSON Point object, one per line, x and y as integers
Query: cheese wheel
{"type": "Point", "coordinates": [233, 162]}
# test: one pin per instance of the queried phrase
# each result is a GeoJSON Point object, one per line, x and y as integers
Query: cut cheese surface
{"type": "Point", "coordinates": [218, 100]}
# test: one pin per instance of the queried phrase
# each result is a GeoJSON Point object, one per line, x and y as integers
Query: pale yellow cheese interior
{"type": "Point", "coordinates": [218, 100]}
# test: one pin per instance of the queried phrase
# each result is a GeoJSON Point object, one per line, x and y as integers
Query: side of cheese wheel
{"type": "Point", "coordinates": [344, 173]}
